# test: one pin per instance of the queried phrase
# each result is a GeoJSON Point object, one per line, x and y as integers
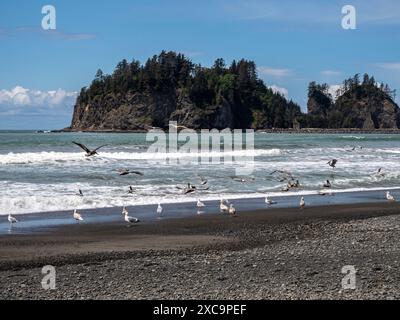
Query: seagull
{"type": "Point", "coordinates": [131, 190]}
{"type": "Point", "coordinates": [89, 153]}
{"type": "Point", "coordinates": [327, 184]}
{"type": "Point", "coordinates": [232, 210]}
{"type": "Point", "coordinates": [223, 207]}
{"type": "Point", "coordinates": [11, 220]}
{"type": "Point", "coordinates": [200, 204]}
{"type": "Point", "coordinates": [129, 219]}
{"type": "Point", "coordinates": [160, 210]}
{"type": "Point", "coordinates": [77, 216]}
{"type": "Point", "coordinates": [124, 172]}
{"type": "Point", "coordinates": [332, 163]}
{"type": "Point", "coordinates": [269, 201]}
{"type": "Point", "coordinates": [390, 197]}
{"type": "Point", "coordinates": [302, 203]}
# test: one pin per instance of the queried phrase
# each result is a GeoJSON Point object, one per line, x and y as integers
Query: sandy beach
{"type": "Point", "coordinates": [284, 253]}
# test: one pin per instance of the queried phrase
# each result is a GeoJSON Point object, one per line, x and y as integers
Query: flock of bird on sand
{"type": "Point", "coordinates": [225, 206]}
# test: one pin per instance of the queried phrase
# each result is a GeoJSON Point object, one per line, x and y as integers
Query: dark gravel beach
{"type": "Point", "coordinates": [266, 254]}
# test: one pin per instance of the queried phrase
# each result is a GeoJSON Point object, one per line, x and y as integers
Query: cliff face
{"type": "Point", "coordinates": [137, 111]}
{"type": "Point", "coordinates": [169, 87]}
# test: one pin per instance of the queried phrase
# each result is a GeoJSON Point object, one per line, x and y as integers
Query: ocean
{"type": "Point", "coordinates": [42, 172]}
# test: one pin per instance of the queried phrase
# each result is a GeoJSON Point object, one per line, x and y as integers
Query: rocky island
{"type": "Point", "coordinates": [169, 87]}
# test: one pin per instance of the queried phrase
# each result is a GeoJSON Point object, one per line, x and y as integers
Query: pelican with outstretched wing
{"type": "Point", "coordinates": [89, 153]}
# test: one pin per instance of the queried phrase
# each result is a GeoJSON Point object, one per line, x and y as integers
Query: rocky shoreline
{"type": "Point", "coordinates": [270, 254]}
{"type": "Point", "coordinates": [276, 130]}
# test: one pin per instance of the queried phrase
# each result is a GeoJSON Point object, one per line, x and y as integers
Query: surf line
{"type": "Point", "coordinates": [234, 143]}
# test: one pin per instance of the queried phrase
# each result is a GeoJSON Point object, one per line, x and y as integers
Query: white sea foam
{"type": "Point", "coordinates": [34, 204]}
{"type": "Point", "coordinates": [46, 157]}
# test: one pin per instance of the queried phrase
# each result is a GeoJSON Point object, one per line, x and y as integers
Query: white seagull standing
{"type": "Point", "coordinates": [12, 220]}
{"type": "Point", "coordinates": [302, 203]}
{"type": "Point", "coordinates": [223, 207]}
{"type": "Point", "coordinates": [269, 202]}
{"type": "Point", "coordinates": [160, 210]}
{"type": "Point", "coordinates": [77, 216]}
{"type": "Point", "coordinates": [200, 204]}
{"type": "Point", "coordinates": [232, 210]}
{"type": "Point", "coordinates": [129, 219]}
{"type": "Point", "coordinates": [389, 196]}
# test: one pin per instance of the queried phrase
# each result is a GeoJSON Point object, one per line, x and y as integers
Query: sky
{"type": "Point", "coordinates": [292, 42]}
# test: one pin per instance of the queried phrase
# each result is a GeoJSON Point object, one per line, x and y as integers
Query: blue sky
{"type": "Point", "coordinates": [292, 42]}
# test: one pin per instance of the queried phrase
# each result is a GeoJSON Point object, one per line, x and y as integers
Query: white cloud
{"type": "Point", "coordinates": [331, 73]}
{"type": "Point", "coordinates": [20, 100]}
{"type": "Point", "coordinates": [281, 90]}
{"type": "Point", "coordinates": [274, 72]}
{"type": "Point", "coordinates": [392, 66]}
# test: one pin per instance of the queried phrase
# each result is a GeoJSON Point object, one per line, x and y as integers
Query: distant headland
{"type": "Point", "coordinates": [169, 87]}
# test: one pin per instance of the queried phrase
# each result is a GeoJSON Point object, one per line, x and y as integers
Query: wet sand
{"type": "Point", "coordinates": [264, 254]}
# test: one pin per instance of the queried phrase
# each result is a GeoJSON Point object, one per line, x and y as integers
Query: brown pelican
{"type": "Point", "coordinates": [89, 153]}
{"type": "Point", "coordinates": [327, 184]}
{"type": "Point", "coordinates": [125, 172]}
{"type": "Point", "coordinates": [332, 163]}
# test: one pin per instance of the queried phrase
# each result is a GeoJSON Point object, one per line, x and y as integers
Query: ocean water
{"type": "Point", "coordinates": [42, 172]}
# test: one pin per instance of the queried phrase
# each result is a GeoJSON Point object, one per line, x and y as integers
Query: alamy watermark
{"type": "Point", "coordinates": [49, 279]}
{"type": "Point", "coordinates": [49, 20]}
{"type": "Point", "coordinates": [235, 147]}
{"type": "Point", "coordinates": [349, 20]}
{"type": "Point", "coordinates": [349, 280]}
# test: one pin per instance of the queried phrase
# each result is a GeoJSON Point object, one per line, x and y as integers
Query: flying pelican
{"type": "Point", "coordinates": [380, 173]}
{"type": "Point", "coordinates": [89, 153]}
{"type": "Point", "coordinates": [285, 189]}
{"type": "Point", "coordinates": [125, 172]}
{"type": "Point", "coordinates": [12, 220]}
{"type": "Point", "coordinates": [160, 210]}
{"type": "Point", "coordinates": [177, 127]}
{"type": "Point", "coordinates": [269, 202]}
{"type": "Point", "coordinates": [80, 193]}
{"type": "Point", "coordinates": [223, 207]}
{"type": "Point", "coordinates": [327, 184]}
{"type": "Point", "coordinates": [302, 203]}
{"type": "Point", "coordinates": [189, 189]}
{"type": "Point", "coordinates": [332, 163]}
{"type": "Point", "coordinates": [200, 204]}
{"type": "Point", "coordinates": [203, 181]}
{"type": "Point", "coordinates": [390, 197]}
{"type": "Point", "coordinates": [77, 216]}
{"type": "Point", "coordinates": [232, 210]}
{"type": "Point", "coordinates": [129, 219]}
